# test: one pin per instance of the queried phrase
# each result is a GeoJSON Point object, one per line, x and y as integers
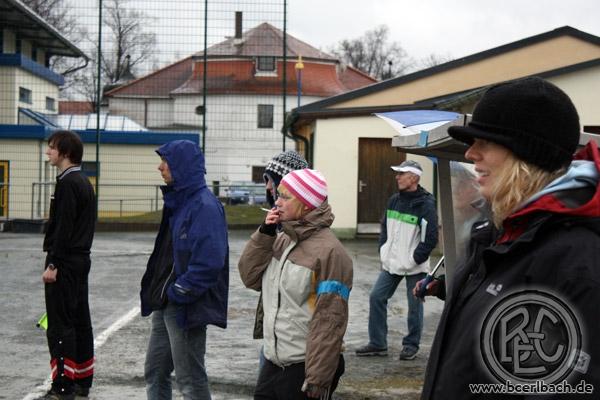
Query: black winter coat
{"type": "Point", "coordinates": [552, 254]}
{"type": "Point", "coordinates": [72, 218]}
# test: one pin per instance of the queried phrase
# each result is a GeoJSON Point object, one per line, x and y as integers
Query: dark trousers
{"type": "Point", "coordinates": [70, 336]}
{"type": "Point", "coordinates": [286, 383]}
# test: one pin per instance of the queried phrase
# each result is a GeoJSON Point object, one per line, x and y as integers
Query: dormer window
{"type": "Point", "coordinates": [265, 64]}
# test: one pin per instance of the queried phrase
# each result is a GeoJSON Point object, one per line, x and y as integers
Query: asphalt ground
{"type": "Point", "coordinates": [118, 262]}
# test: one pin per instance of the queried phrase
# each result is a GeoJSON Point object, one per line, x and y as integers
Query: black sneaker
{"type": "Point", "coordinates": [408, 353]}
{"type": "Point", "coordinates": [52, 395]}
{"type": "Point", "coordinates": [369, 350]}
{"type": "Point", "coordinates": [81, 392]}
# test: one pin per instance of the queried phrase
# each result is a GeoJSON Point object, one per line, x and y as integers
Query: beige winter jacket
{"type": "Point", "coordinates": [305, 276]}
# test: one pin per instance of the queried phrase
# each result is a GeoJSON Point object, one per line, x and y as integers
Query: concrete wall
{"type": "Point", "coordinates": [336, 156]}
{"type": "Point", "coordinates": [160, 112]}
{"type": "Point", "coordinates": [234, 143]}
{"type": "Point", "coordinates": [132, 108]}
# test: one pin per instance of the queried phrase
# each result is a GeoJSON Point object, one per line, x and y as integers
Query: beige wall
{"type": "Point", "coordinates": [584, 89]}
{"type": "Point", "coordinates": [8, 95]}
{"type": "Point", "coordinates": [336, 143]}
{"type": "Point", "coordinates": [26, 48]}
{"type": "Point", "coordinates": [40, 89]}
{"type": "Point", "coordinates": [9, 46]}
{"type": "Point", "coordinates": [336, 156]}
{"type": "Point", "coordinates": [128, 177]}
{"type": "Point", "coordinates": [545, 56]}
{"type": "Point", "coordinates": [10, 41]}
{"type": "Point", "coordinates": [12, 78]}
{"type": "Point", "coordinates": [336, 139]}
{"type": "Point", "coordinates": [24, 169]}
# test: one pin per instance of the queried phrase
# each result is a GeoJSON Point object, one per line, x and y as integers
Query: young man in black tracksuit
{"type": "Point", "coordinates": [67, 243]}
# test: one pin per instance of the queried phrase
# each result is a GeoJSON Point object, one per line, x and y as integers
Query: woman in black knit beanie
{"type": "Point", "coordinates": [521, 311]}
{"type": "Point", "coordinates": [277, 168]}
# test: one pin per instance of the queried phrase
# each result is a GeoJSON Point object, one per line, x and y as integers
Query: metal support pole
{"type": "Point", "coordinates": [156, 198]}
{"type": "Point", "coordinates": [205, 73]}
{"type": "Point", "coordinates": [32, 198]}
{"type": "Point", "coordinates": [98, 99]}
{"type": "Point", "coordinates": [447, 211]}
{"type": "Point", "coordinates": [40, 179]}
{"type": "Point", "coordinates": [284, 79]}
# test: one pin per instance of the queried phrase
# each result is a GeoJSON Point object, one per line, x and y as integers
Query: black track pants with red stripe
{"type": "Point", "coordinates": [70, 336]}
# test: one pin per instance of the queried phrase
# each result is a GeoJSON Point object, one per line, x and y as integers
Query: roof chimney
{"type": "Point", "coordinates": [238, 25]}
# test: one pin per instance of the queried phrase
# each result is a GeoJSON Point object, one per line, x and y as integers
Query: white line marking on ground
{"type": "Point", "coordinates": [98, 342]}
{"type": "Point", "coordinates": [118, 324]}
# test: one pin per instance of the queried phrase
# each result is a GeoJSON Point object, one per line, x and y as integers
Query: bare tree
{"type": "Point", "coordinates": [58, 13]}
{"type": "Point", "coordinates": [373, 54]}
{"type": "Point", "coordinates": [126, 44]}
{"type": "Point", "coordinates": [433, 59]}
{"type": "Point", "coordinates": [129, 44]}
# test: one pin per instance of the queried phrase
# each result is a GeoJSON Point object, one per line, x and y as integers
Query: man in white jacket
{"type": "Point", "coordinates": [408, 235]}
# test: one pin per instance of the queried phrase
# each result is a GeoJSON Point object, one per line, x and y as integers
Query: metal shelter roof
{"type": "Point", "coordinates": [28, 25]}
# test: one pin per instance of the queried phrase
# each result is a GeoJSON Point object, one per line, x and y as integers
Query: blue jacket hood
{"type": "Point", "coordinates": [186, 163]}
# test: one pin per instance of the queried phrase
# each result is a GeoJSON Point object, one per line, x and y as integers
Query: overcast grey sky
{"type": "Point", "coordinates": [449, 28]}
{"type": "Point", "coordinates": [445, 27]}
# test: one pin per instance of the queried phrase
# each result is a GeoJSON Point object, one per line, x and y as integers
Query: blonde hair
{"type": "Point", "coordinates": [516, 183]}
{"type": "Point", "coordinates": [299, 207]}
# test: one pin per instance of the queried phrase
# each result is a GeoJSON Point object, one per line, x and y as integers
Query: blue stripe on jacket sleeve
{"type": "Point", "coordinates": [333, 287]}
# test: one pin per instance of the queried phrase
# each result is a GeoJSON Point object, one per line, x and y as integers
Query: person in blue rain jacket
{"type": "Point", "coordinates": [186, 282]}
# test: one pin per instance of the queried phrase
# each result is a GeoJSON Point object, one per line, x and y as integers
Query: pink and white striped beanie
{"type": "Point", "coordinates": [307, 185]}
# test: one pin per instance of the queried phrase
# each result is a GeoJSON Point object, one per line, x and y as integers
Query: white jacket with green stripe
{"type": "Point", "coordinates": [408, 232]}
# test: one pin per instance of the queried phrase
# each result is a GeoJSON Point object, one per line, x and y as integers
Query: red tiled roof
{"type": "Point", "coordinates": [353, 78]}
{"type": "Point", "coordinates": [160, 83]}
{"type": "Point", "coordinates": [231, 70]}
{"type": "Point", "coordinates": [264, 40]}
{"type": "Point", "coordinates": [238, 77]}
{"type": "Point", "coordinates": [75, 107]}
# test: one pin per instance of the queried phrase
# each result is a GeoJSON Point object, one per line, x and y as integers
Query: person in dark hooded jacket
{"type": "Point", "coordinates": [521, 313]}
{"type": "Point", "coordinates": [187, 277]}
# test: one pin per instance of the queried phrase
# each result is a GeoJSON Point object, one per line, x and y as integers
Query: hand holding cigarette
{"type": "Point", "coordinates": [272, 217]}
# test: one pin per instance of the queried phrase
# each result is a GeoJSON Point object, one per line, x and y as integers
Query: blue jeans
{"type": "Point", "coordinates": [171, 348]}
{"type": "Point", "coordinates": [380, 294]}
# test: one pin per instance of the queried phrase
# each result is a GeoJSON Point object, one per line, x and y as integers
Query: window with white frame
{"type": "Point", "coordinates": [265, 115]}
{"type": "Point", "coordinates": [265, 64]}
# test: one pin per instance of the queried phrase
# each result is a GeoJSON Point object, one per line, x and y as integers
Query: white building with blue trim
{"type": "Point", "coordinates": [29, 92]}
